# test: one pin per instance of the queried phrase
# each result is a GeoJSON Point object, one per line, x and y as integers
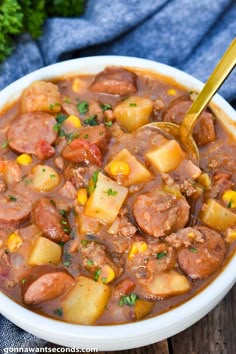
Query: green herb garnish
{"type": "Point", "coordinates": [89, 262]}
{"type": "Point", "coordinates": [109, 192]}
{"type": "Point", "coordinates": [82, 107]}
{"type": "Point", "coordinates": [128, 300]}
{"type": "Point", "coordinates": [105, 107]}
{"type": "Point", "coordinates": [108, 124]}
{"type": "Point", "coordinates": [229, 205]}
{"type": "Point", "coordinates": [96, 274]}
{"type": "Point", "coordinates": [194, 250]}
{"type": "Point", "coordinates": [5, 144]}
{"type": "Point", "coordinates": [133, 104]}
{"type": "Point", "coordinates": [52, 105]}
{"type": "Point", "coordinates": [60, 118]}
{"type": "Point", "coordinates": [92, 121]}
{"type": "Point", "coordinates": [58, 311]}
{"type": "Point", "coordinates": [160, 255]}
{"type": "Point", "coordinates": [12, 198]}
{"type": "Point", "coordinates": [62, 212]}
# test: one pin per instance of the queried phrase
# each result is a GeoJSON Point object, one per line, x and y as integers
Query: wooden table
{"type": "Point", "coordinates": [214, 334]}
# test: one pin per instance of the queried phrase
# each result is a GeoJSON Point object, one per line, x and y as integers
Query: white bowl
{"type": "Point", "coordinates": [132, 335]}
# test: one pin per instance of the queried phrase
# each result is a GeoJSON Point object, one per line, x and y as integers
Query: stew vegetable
{"type": "Point", "coordinates": [102, 222]}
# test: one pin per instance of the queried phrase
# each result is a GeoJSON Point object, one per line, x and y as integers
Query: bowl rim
{"type": "Point", "coordinates": [133, 334]}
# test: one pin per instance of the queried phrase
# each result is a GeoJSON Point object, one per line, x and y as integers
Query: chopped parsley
{"type": "Point", "coordinates": [23, 281]}
{"type": "Point", "coordinates": [85, 242]}
{"type": "Point", "coordinates": [108, 124]}
{"type": "Point", "coordinates": [52, 105]}
{"type": "Point", "coordinates": [104, 280]}
{"type": "Point", "coordinates": [69, 136]}
{"type": "Point", "coordinates": [128, 300]}
{"type": "Point", "coordinates": [67, 100]}
{"type": "Point", "coordinates": [89, 262]}
{"type": "Point", "coordinates": [92, 183]}
{"type": "Point", "coordinates": [52, 176]}
{"type": "Point", "coordinates": [60, 118]}
{"type": "Point", "coordinates": [52, 202]}
{"type": "Point", "coordinates": [96, 274]}
{"type": "Point", "coordinates": [5, 144]}
{"type": "Point", "coordinates": [67, 261]}
{"type": "Point", "coordinates": [92, 120]}
{"type": "Point", "coordinates": [58, 311]}
{"type": "Point", "coordinates": [109, 192]}
{"type": "Point", "coordinates": [62, 212]}
{"type": "Point", "coordinates": [105, 107]}
{"type": "Point", "coordinates": [160, 255]}
{"type": "Point", "coordinates": [43, 169]}
{"type": "Point", "coordinates": [12, 198]}
{"type": "Point", "coordinates": [86, 136]}
{"type": "Point", "coordinates": [61, 243]}
{"type": "Point", "coordinates": [229, 205]}
{"type": "Point", "coordinates": [133, 104]}
{"type": "Point", "coordinates": [82, 107]}
{"type": "Point", "coordinates": [192, 249]}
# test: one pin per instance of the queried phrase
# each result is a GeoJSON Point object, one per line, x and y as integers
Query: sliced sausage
{"type": "Point", "coordinates": [14, 209]}
{"type": "Point", "coordinates": [98, 135]}
{"type": "Point", "coordinates": [204, 131]}
{"type": "Point", "coordinates": [81, 151]}
{"type": "Point", "coordinates": [203, 258]}
{"type": "Point", "coordinates": [159, 213]}
{"type": "Point", "coordinates": [29, 129]}
{"type": "Point", "coordinates": [115, 81]}
{"type": "Point", "coordinates": [54, 226]}
{"type": "Point", "coordinates": [165, 260]}
{"type": "Point", "coordinates": [47, 287]}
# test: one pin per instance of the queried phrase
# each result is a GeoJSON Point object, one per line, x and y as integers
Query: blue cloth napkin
{"type": "Point", "coordinates": [190, 35]}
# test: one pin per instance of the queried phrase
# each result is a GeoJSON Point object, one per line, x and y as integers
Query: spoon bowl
{"type": "Point", "coordinates": [183, 132]}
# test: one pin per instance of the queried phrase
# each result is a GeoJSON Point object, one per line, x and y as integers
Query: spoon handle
{"type": "Point", "coordinates": [218, 76]}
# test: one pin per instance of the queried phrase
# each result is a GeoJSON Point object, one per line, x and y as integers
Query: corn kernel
{"type": "Point", "coordinates": [119, 167]}
{"type": "Point", "coordinates": [171, 92]}
{"type": "Point", "coordinates": [24, 159]}
{"type": "Point", "coordinates": [204, 180]}
{"type": "Point", "coordinates": [14, 241]}
{"type": "Point", "coordinates": [106, 275]}
{"type": "Point", "coordinates": [229, 197]}
{"type": "Point", "coordinates": [137, 247]}
{"type": "Point", "coordinates": [230, 235]}
{"type": "Point", "coordinates": [77, 85]}
{"type": "Point", "coordinates": [82, 196]}
{"type": "Point", "coordinates": [73, 121]}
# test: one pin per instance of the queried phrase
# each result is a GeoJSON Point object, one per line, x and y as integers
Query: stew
{"type": "Point", "coordinates": [103, 220]}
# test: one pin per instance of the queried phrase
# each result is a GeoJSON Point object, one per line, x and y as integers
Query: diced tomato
{"type": "Point", "coordinates": [80, 150]}
{"type": "Point", "coordinates": [44, 150]}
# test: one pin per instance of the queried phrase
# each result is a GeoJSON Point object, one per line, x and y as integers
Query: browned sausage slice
{"type": "Point", "coordinates": [14, 209]}
{"type": "Point", "coordinates": [29, 129]}
{"type": "Point", "coordinates": [50, 222]}
{"type": "Point", "coordinates": [203, 258]}
{"type": "Point", "coordinates": [95, 135]}
{"type": "Point", "coordinates": [159, 213]}
{"type": "Point", "coordinates": [115, 81]}
{"type": "Point", "coordinates": [47, 287]}
{"type": "Point", "coordinates": [204, 131]}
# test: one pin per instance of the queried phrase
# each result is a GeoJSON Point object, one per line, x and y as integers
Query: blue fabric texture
{"type": "Point", "coordinates": [190, 35]}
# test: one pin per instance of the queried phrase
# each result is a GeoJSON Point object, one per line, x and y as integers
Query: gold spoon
{"type": "Point", "coordinates": [183, 132]}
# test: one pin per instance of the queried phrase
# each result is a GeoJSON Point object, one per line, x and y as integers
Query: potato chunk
{"type": "Point", "coordinates": [142, 308]}
{"type": "Point", "coordinates": [41, 96]}
{"type": "Point", "coordinates": [44, 251]}
{"type": "Point", "coordinates": [217, 216]}
{"type": "Point", "coordinates": [45, 178]}
{"type": "Point", "coordinates": [166, 284]}
{"type": "Point", "coordinates": [138, 172]}
{"type": "Point", "coordinates": [86, 301]}
{"type": "Point", "coordinates": [106, 200]}
{"type": "Point", "coordinates": [166, 157]}
{"type": "Point", "coordinates": [133, 112]}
